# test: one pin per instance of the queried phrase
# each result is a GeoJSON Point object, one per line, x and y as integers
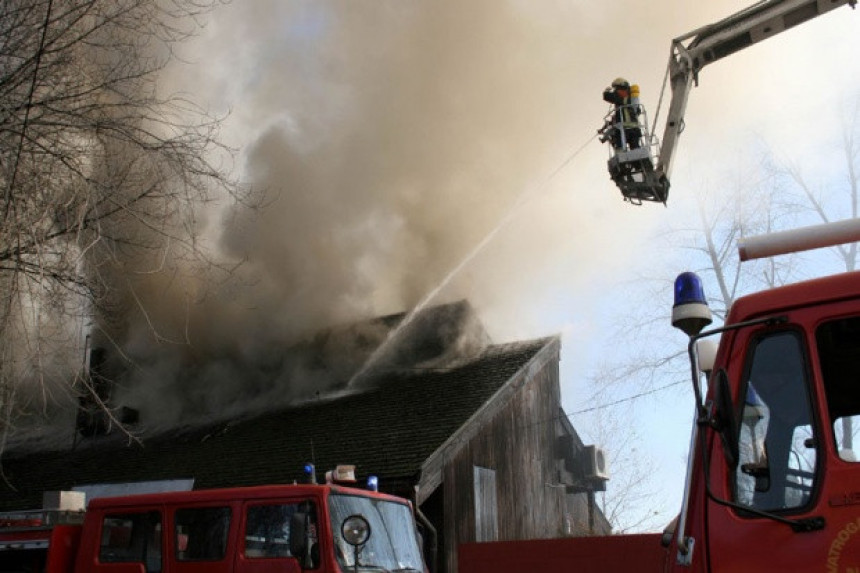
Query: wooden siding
{"type": "Point", "coordinates": [516, 435]}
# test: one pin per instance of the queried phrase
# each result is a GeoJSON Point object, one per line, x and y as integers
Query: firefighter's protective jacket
{"type": "Point", "coordinates": [624, 112]}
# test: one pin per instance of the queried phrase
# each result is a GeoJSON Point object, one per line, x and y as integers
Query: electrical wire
{"type": "Point", "coordinates": [627, 399]}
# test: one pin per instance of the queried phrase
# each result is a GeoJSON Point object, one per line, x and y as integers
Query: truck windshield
{"type": "Point", "coordinates": [393, 543]}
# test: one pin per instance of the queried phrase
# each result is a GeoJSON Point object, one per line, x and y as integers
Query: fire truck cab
{"type": "Point", "coordinates": [326, 528]}
{"type": "Point", "coordinates": [773, 481]}
{"type": "Point", "coordinates": [773, 478]}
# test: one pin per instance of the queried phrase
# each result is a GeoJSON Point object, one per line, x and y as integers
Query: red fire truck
{"type": "Point", "coordinates": [327, 528]}
{"type": "Point", "coordinates": [773, 482]}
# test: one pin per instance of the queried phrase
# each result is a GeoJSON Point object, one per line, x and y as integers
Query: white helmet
{"type": "Point", "coordinates": [620, 83]}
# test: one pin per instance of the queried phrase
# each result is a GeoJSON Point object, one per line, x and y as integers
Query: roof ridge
{"type": "Point", "coordinates": [520, 344]}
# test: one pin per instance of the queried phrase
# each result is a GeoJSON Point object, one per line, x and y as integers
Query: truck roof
{"type": "Point", "coordinates": [235, 493]}
{"type": "Point", "coordinates": [816, 291]}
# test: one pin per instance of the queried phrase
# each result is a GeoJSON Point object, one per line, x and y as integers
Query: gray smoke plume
{"type": "Point", "coordinates": [387, 138]}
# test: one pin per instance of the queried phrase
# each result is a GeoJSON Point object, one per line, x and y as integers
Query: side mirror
{"type": "Point", "coordinates": [724, 420]}
{"type": "Point", "coordinates": [298, 535]}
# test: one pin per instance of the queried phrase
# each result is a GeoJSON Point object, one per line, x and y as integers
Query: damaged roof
{"type": "Point", "coordinates": [388, 429]}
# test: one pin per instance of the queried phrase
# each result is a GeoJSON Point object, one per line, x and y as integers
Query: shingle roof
{"type": "Point", "coordinates": [387, 430]}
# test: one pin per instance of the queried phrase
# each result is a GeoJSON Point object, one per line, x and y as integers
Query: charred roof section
{"type": "Point", "coordinates": [388, 430]}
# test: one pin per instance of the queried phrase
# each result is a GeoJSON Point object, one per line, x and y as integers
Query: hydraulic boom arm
{"type": "Point", "coordinates": [716, 41]}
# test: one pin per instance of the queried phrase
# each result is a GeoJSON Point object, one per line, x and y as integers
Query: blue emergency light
{"type": "Point", "coordinates": [373, 483]}
{"type": "Point", "coordinates": [310, 473]}
{"type": "Point", "coordinates": [690, 312]}
{"type": "Point", "coordinates": [688, 289]}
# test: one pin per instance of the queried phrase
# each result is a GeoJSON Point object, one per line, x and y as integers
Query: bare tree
{"type": "Point", "coordinates": [833, 201]}
{"type": "Point", "coordinates": [101, 175]}
{"type": "Point", "coordinates": [633, 500]}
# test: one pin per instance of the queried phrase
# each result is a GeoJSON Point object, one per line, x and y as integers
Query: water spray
{"type": "Point", "coordinates": [394, 334]}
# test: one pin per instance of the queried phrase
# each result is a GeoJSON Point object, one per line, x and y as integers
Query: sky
{"type": "Point", "coordinates": [393, 138]}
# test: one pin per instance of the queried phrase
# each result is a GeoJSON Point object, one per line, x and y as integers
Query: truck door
{"type": "Point", "coordinates": [202, 539]}
{"type": "Point", "coordinates": [266, 537]}
{"type": "Point", "coordinates": [797, 392]}
{"type": "Point", "coordinates": [129, 542]}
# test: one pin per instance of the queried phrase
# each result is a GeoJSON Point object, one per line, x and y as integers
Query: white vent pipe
{"type": "Point", "coordinates": [802, 239]}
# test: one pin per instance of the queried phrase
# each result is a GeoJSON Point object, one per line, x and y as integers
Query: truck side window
{"type": "Point", "coordinates": [777, 452]}
{"type": "Point", "coordinates": [267, 529]}
{"type": "Point", "coordinates": [201, 533]}
{"type": "Point", "coordinates": [838, 343]}
{"type": "Point", "coordinates": [132, 538]}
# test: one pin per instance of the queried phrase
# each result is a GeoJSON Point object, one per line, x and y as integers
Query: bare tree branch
{"type": "Point", "coordinates": [101, 176]}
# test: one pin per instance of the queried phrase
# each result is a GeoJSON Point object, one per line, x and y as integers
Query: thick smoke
{"type": "Point", "coordinates": [387, 138]}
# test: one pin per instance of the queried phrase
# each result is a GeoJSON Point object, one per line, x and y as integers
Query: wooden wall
{"type": "Point", "coordinates": [516, 436]}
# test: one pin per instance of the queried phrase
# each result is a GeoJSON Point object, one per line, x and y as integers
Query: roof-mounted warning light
{"type": "Point", "coordinates": [341, 474]}
{"type": "Point", "coordinates": [310, 473]}
{"type": "Point", "coordinates": [373, 483]}
{"type": "Point", "coordinates": [690, 313]}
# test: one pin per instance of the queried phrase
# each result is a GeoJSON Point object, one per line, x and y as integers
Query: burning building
{"type": "Point", "coordinates": [471, 431]}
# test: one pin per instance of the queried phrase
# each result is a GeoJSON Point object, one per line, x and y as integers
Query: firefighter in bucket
{"type": "Point", "coordinates": [624, 132]}
{"type": "Point", "coordinates": [631, 165]}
